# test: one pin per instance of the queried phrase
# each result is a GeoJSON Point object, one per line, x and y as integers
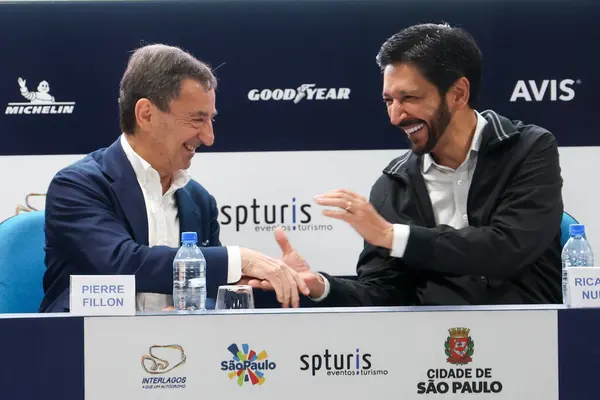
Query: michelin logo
{"type": "Point", "coordinates": [306, 91]}
{"type": "Point", "coordinates": [40, 102]}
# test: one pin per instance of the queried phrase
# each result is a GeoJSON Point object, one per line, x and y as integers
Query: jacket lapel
{"type": "Point", "coordinates": [127, 190]}
{"type": "Point", "coordinates": [499, 130]}
{"type": "Point", "coordinates": [413, 168]}
{"type": "Point", "coordinates": [189, 215]}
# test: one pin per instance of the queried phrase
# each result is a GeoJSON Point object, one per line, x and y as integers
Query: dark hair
{"type": "Point", "coordinates": [442, 53]}
{"type": "Point", "coordinates": [155, 72]}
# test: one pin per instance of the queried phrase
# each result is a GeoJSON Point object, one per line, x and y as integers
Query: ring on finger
{"type": "Point", "coordinates": [348, 206]}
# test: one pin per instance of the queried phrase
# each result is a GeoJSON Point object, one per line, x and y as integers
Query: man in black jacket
{"type": "Point", "coordinates": [471, 214]}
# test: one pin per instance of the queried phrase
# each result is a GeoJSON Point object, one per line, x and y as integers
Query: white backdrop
{"type": "Point", "coordinates": [284, 181]}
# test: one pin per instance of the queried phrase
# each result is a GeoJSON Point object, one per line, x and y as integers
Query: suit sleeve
{"type": "Point", "coordinates": [523, 225]}
{"type": "Point", "coordinates": [382, 280]}
{"type": "Point", "coordinates": [215, 227]}
{"type": "Point", "coordinates": [86, 228]}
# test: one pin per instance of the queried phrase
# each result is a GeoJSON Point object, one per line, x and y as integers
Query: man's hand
{"type": "Point", "coordinates": [261, 271]}
{"type": "Point", "coordinates": [359, 213]}
{"type": "Point", "coordinates": [290, 257]}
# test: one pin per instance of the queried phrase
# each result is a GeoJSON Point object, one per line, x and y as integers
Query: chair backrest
{"type": "Point", "coordinates": [567, 220]}
{"type": "Point", "coordinates": [22, 262]}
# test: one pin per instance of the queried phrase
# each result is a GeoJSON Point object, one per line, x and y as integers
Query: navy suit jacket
{"type": "Point", "coordinates": [96, 223]}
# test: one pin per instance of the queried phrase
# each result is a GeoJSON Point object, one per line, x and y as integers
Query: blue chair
{"type": "Point", "coordinates": [567, 220]}
{"type": "Point", "coordinates": [22, 262]}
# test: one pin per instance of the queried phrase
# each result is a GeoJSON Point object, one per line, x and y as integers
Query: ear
{"type": "Point", "coordinates": [459, 93]}
{"type": "Point", "coordinates": [144, 112]}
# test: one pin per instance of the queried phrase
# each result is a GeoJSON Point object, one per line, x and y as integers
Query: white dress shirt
{"type": "Point", "coordinates": [163, 222]}
{"type": "Point", "coordinates": [448, 190]}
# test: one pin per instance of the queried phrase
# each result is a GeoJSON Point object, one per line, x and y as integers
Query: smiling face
{"type": "Point", "coordinates": [175, 134]}
{"type": "Point", "coordinates": [43, 87]}
{"type": "Point", "coordinates": [414, 104]}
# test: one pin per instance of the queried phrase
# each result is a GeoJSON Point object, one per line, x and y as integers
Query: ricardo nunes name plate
{"type": "Point", "coordinates": [583, 289]}
{"type": "Point", "coordinates": [103, 294]}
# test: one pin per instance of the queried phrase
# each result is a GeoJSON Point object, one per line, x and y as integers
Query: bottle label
{"type": "Point", "coordinates": [197, 282]}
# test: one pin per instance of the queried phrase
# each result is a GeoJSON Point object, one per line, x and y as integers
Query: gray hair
{"type": "Point", "coordinates": [155, 72]}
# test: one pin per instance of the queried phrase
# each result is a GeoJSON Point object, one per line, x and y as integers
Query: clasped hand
{"type": "Point", "coordinates": [261, 271]}
{"type": "Point", "coordinates": [291, 275]}
{"type": "Point", "coordinates": [353, 209]}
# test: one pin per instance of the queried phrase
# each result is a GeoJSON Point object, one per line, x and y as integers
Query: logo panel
{"type": "Point", "coordinates": [160, 362]}
{"type": "Point", "coordinates": [247, 366]}
{"type": "Point", "coordinates": [306, 91]}
{"type": "Point", "coordinates": [39, 101]}
{"type": "Point", "coordinates": [459, 346]}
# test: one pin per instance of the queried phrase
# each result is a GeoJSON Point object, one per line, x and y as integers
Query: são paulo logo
{"type": "Point", "coordinates": [247, 366]}
{"type": "Point", "coordinates": [459, 350]}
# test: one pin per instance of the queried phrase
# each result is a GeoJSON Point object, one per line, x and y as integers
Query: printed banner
{"type": "Point", "coordinates": [500, 355]}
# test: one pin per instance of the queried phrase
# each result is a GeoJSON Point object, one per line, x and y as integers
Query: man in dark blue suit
{"type": "Point", "coordinates": [121, 209]}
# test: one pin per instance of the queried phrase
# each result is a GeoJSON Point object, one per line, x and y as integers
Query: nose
{"type": "Point", "coordinates": [396, 113]}
{"type": "Point", "coordinates": [206, 134]}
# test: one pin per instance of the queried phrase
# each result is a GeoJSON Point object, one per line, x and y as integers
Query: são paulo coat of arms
{"type": "Point", "coordinates": [459, 346]}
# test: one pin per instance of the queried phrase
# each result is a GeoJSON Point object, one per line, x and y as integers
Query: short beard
{"type": "Point", "coordinates": [437, 129]}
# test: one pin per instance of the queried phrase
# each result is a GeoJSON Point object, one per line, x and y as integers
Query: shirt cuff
{"type": "Point", "coordinates": [234, 264]}
{"type": "Point", "coordinates": [401, 234]}
{"type": "Point", "coordinates": [325, 292]}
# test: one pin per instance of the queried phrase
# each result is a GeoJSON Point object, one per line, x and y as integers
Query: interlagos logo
{"type": "Point", "coordinates": [547, 89]}
{"type": "Point", "coordinates": [160, 363]}
{"type": "Point", "coordinates": [307, 91]}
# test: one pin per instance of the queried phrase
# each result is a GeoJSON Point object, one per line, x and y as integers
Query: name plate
{"type": "Point", "coordinates": [102, 294]}
{"type": "Point", "coordinates": [583, 286]}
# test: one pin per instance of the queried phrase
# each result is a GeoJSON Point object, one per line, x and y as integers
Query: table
{"type": "Point", "coordinates": [502, 352]}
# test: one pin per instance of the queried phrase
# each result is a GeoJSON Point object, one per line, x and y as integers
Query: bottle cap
{"type": "Point", "coordinates": [189, 237]}
{"type": "Point", "coordinates": [576, 229]}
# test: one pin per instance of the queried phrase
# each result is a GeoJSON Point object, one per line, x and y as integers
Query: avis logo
{"type": "Point", "coordinates": [306, 91]}
{"type": "Point", "coordinates": [40, 101]}
{"type": "Point", "coordinates": [459, 346]}
{"type": "Point", "coordinates": [246, 366]}
{"type": "Point", "coordinates": [548, 89]}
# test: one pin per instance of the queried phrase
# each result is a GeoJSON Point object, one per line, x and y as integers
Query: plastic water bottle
{"type": "Point", "coordinates": [189, 275]}
{"type": "Point", "coordinates": [576, 253]}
